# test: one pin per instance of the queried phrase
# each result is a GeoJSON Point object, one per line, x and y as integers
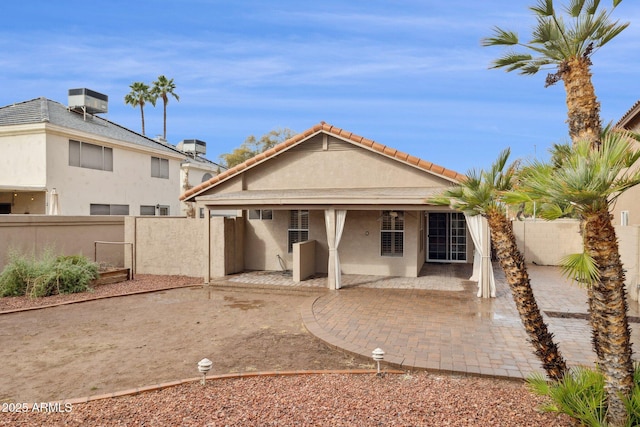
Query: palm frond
{"type": "Point", "coordinates": [512, 61]}
{"type": "Point", "coordinates": [501, 38]}
{"type": "Point", "coordinates": [543, 8]}
{"type": "Point", "coordinates": [581, 268]}
{"type": "Point", "coordinates": [575, 8]}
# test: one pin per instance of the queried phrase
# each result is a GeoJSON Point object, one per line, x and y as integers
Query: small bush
{"type": "Point", "coordinates": [580, 394]}
{"type": "Point", "coordinates": [48, 276]}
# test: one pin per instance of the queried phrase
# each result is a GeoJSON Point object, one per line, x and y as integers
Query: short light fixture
{"type": "Point", "coordinates": [204, 366]}
{"type": "Point", "coordinates": [378, 355]}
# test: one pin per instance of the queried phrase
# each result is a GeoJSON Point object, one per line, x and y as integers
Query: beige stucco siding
{"type": "Point", "coordinates": [23, 162]}
{"type": "Point", "coordinates": [130, 182]}
{"type": "Point", "coordinates": [342, 165]}
{"type": "Point", "coordinates": [359, 248]}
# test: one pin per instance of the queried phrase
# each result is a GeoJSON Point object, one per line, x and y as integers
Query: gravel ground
{"type": "Point", "coordinates": [418, 399]}
{"type": "Point", "coordinates": [141, 283]}
{"type": "Point", "coordinates": [314, 400]}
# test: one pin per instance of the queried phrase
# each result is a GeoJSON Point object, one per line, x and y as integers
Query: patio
{"type": "Point", "coordinates": [436, 322]}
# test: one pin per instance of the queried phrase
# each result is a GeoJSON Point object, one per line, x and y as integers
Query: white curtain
{"type": "Point", "coordinates": [334, 223]}
{"type": "Point", "coordinates": [54, 203]}
{"type": "Point", "coordinates": [482, 268]}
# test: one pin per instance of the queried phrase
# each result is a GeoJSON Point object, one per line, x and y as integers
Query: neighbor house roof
{"type": "Point", "coordinates": [43, 110]}
{"type": "Point", "coordinates": [332, 130]}
{"type": "Point", "coordinates": [629, 116]}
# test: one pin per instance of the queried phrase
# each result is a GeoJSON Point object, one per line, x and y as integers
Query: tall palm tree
{"type": "Point", "coordinates": [138, 97]}
{"type": "Point", "coordinates": [162, 88]}
{"type": "Point", "coordinates": [479, 194]}
{"type": "Point", "coordinates": [566, 46]}
{"type": "Point", "coordinates": [591, 181]}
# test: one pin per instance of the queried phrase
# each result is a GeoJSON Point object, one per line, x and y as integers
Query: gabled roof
{"type": "Point", "coordinates": [629, 115]}
{"type": "Point", "coordinates": [331, 130]}
{"type": "Point", "coordinates": [43, 110]}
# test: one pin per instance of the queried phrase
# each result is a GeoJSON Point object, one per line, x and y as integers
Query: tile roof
{"type": "Point", "coordinates": [629, 115]}
{"type": "Point", "coordinates": [332, 130]}
{"type": "Point", "coordinates": [43, 110]}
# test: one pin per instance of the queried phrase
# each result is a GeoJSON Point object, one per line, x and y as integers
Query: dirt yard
{"type": "Point", "coordinates": [107, 345]}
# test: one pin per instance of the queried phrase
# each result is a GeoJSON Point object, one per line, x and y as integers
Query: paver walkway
{"type": "Point", "coordinates": [436, 322]}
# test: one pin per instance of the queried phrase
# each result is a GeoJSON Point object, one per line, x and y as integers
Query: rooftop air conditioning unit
{"type": "Point", "coordinates": [88, 101]}
{"type": "Point", "coordinates": [193, 146]}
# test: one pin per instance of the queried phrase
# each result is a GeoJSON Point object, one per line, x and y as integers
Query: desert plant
{"type": "Point", "coordinates": [14, 277]}
{"type": "Point", "coordinates": [581, 395]}
{"type": "Point", "coordinates": [49, 275]}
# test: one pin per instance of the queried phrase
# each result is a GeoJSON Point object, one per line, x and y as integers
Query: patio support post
{"type": "Point", "coordinates": [334, 222]}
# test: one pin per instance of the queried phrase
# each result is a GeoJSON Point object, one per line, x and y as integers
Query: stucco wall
{"type": "Point", "coordinates": [165, 245]}
{"type": "Point", "coordinates": [24, 160]}
{"type": "Point", "coordinates": [629, 246]}
{"type": "Point", "coordinates": [359, 247]}
{"type": "Point", "coordinates": [64, 235]}
{"type": "Point", "coordinates": [546, 242]}
{"type": "Point", "coordinates": [341, 165]}
{"type": "Point", "coordinates": [130, 182]}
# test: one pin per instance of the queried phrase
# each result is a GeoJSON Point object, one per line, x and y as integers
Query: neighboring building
{"type": "Point", "coordinates": [626, 210]}
{"type": "Point", "coordinates": [56, 159]}
{"type": "Point", "coordinates": [344, 194]}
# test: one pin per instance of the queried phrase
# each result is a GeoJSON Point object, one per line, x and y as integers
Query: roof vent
{"type": "Point", "coordinates": [88, 101]}
{"type": "Point", "coordinates": [192, 147]}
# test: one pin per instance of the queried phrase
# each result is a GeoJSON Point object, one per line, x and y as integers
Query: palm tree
{"type": "Point", "coordinates": [162, 88]}
{"type": "Point", "coordinates": [479, 194]}
{"type": "Point", "coordinates": [139, 96]}
{"type": "Point", "coordinates": [567, 47]}
{"type": "Point", "coordinates": [591, 181]}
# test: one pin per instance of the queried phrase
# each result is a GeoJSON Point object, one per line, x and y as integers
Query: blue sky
{"type": "Point", "coordinates": [410, 74]}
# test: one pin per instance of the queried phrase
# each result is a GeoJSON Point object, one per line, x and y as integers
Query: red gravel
{"type": "Point", "coordinates": [315, 400]}
{"type": "Point", "coordinates": [331, 399]}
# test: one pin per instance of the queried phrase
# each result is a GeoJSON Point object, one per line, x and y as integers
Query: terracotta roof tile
{"type": "Point", "coordinates": [322, 126]}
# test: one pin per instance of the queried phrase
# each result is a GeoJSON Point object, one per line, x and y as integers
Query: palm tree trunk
{"type": "Point", "coordinates": [512, 262]}
{"type": "Point", "coordinates": [142, 115]}
{"type": "Point", "coordinates": [165, 120]}
{"type": "Point", "coordinates": [582, 105]}
{"type": "Point", "coordinates": [609, 313]}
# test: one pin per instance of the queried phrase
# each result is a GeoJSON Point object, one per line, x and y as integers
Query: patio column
{"type": "Point", "coordinates": [482, 268]}
{"type": "Point", "coordinates": [334, 223]}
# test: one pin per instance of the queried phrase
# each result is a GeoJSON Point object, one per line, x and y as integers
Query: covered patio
{"type": "Point", "coordinates": [390, 206]}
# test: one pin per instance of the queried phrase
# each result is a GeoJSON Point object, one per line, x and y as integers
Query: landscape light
{"type": "Point", "coordinates": [378, 355]}
{"type": "Point", "coordinates": [204, 366]}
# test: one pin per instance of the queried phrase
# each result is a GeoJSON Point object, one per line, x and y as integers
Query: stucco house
{"type": "Point", "coordinates": [57, 159]}
{"type": "Point", "coordinates": [626, 210]}
{"type": "Point", "coordinates": [328, 201]}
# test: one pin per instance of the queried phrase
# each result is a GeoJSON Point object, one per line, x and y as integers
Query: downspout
{"type": "Point", "coordinates": [208, 239]}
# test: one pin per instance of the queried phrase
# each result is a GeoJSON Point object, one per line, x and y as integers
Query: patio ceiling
{"type": "Point", "coordinates": [321, 198]}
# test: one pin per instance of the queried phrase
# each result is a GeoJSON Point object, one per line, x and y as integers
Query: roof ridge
{"type": "Point", "coordinates": [323, 126]}
{"type": "Point", "coordinates": [44, 109]}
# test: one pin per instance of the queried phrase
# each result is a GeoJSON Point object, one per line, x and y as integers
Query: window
{"type": "Point", "coordinates": [99, 209]}
{"type": "Point", "coordinates": [206, 177]}
{"type": "Point", "coordinates": [392, 233]}
{"type": "Point", "coordinates": [90, 156]}
{"type": "Point", "coordinates": [159, 168]}
{"type": "Point", "coordinates": [148, 210]}
{"type": "Point", "coordinates": [298, 228]}
{"type": "Point", "coordinates": [163, 210]}
{"type": "Point", "coordinates": [260, 214]}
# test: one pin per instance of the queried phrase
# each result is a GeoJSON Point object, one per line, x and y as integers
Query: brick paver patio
{"type": "Point", "coordinates": [436, 322]}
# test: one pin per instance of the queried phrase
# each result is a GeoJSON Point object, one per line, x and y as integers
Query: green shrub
{"type": "Point", "coordinates": [48, 276]}
{"type": "Point", "coordinates": [15, 276]}
{"type": "Point", "coordinates": [580, 394]}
